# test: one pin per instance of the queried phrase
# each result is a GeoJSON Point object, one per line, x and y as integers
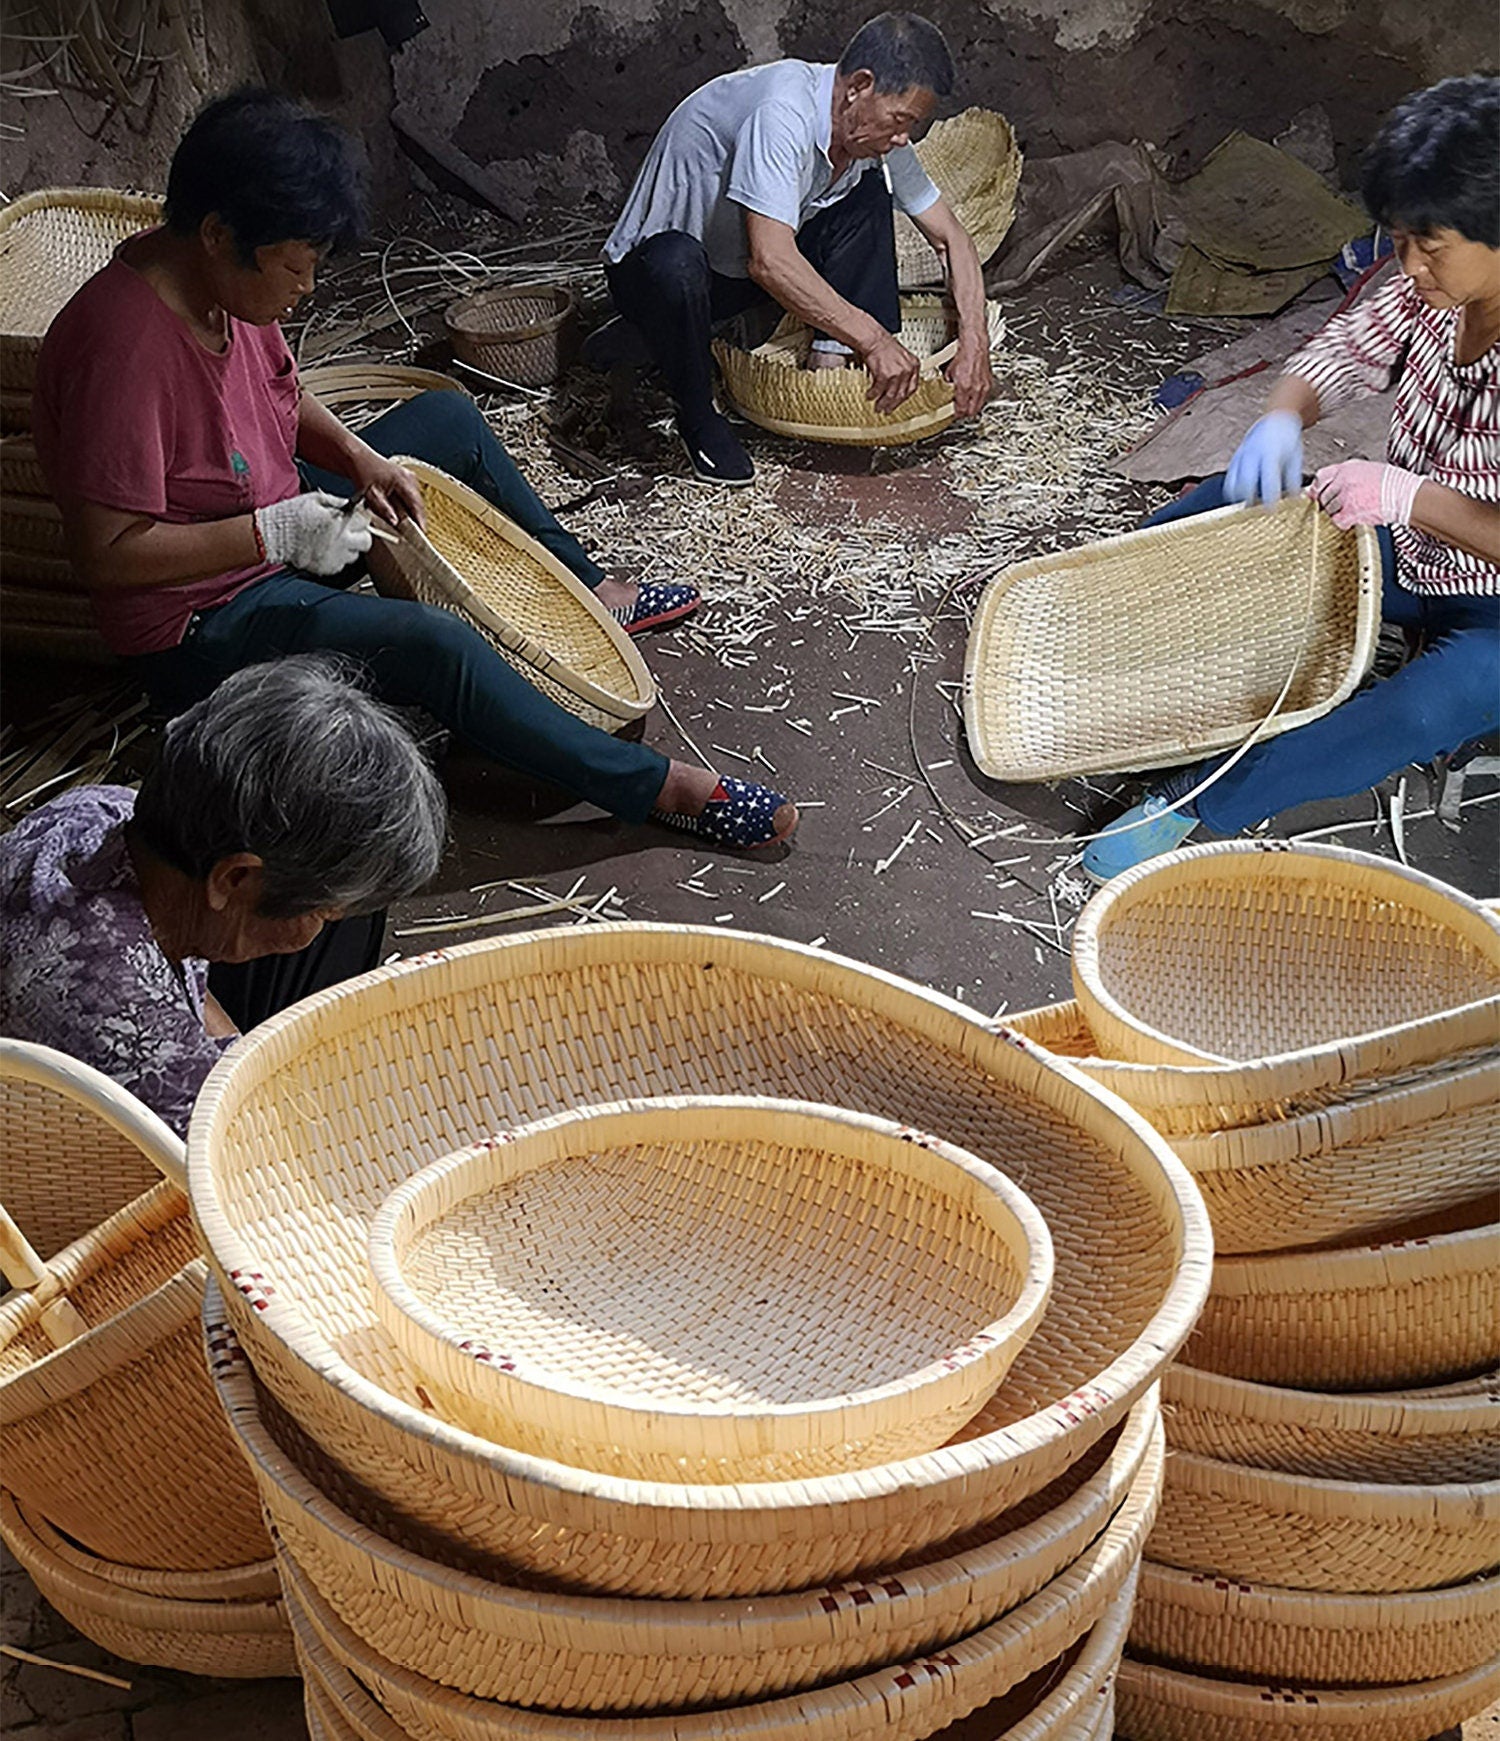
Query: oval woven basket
{"type": "Point", "coordinates": [242, 1640]}
{"type": "Point", "coordinates": [21, 471]}
{"type": "Point", "coordinates": [1304, 1635]}
{"type": "Point", "coordinates": [1243, 949]}
{"type": "Point", "coordinates": [1417, 1436]}
{"type": "Point", "coordinates": [533, 610]}
{"type": "Point", "coordinates": [525, 333]}
{"type": "Point", "coordinates": [1165, 644]}
{"type": "Point", "coordinates": [725, 1330]}
{"type": "Point", "coordinates": [975, 162]}
{"type": "Point", "coordinates": [497, 1641]}
{"type": "Point", "coordinates": [1348, 1536]}
{"type": "Point", "coordinates": [116, 1437]}
{"type": "Point", "coordinates": [1160, 1704]}
{"type": "Point", "coordinates": [552, 1020]}
{"type": "Point", "coordinates": [772, 386]}
{"type": "Point", "coordinates": [52, 242]}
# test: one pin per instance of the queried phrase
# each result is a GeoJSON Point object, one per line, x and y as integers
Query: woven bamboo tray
{"type": "Point", "coordinates": [30, 525]}
{"type": "Point", "coordinates": [1346, 1536]}
{"type": "Point", "coordinates": [772, 386]}
{"type": "Point", "coordinates": [1416, 1436]}
{"type": "Point", "coordinates": [360, 392]}
{"type": "Point", "coordinates": [1165, 644]}
{"type": "Point", "coordinates": [52, 242]}
{"type": "Point", "coordinates": [796, 1291]}
{"type": "Point", "coordinates": [534, 611]}
{"type": "Point", "coordinates": [526, 1647]}
{"type": "Point", "coordinates": [240, 1639]}
{"type": "Point", "coordinates": [233, 1584]}
{"type": "Point", "coordinates": [536, 1024]}
{"type": "Point", "coordinates": [525, 333]}
{"type": "Point", "coordinates": [116, 1438]}
{"type": "Point", "coordinates": [1246, 948]}
{"type": "Point", "coordinates": [1304, 1635]}
{"type": "Point", "coordinates": [21, 471]}
{"type": "Point", "coordinates": [975, 161]}
{"type": "Point", "coordinates": [1159, 1704]}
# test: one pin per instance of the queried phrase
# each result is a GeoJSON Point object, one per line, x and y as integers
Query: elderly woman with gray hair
{"type": "Point", "coordinates": [283, 812]}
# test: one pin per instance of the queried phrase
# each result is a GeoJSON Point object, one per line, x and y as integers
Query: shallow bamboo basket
{"type": "Point", "coordinates": [360, 392]}
{"type": "Point", "coordinates": [1305, 1635]}
{"type": "Point", "coordinates": [498, 1641]}
{"type": "Point", "coordinates": [1246, 948]}
{"type": "Point", "coordinates": [116, 1438]}
{"type": "Point", "coordinates": [245, 1639]}
{"type": "Point", "coordinates": [231, 1584]}
{"type": "Point", "coordinates": [1305, 1534]}
{"type": "Point", "coordinates": [975, 162]}
{"type": "Point", "coordinates": [514, 1030]}
{"type": "Point", "coordinates": [51, 243]}
{"type": "Point", "coordinates": [21, 471]}
{"type": "Point", "coordinates": [773, 387]}
{"type": "Point", "coordinates": [795, 1290]}
{"type": "Point", "coordinates": [1407, 1312]}
{"type": "Point", "coordinates": [1160, 1704]}
{"type": "Point", "coordinates": [1413, 1436]}
{"type": "Point", "coordinates": [30, 525]}
{"type": "Point", "coordinates": [532, 609]}
{"type": "Point", "coordinates": [1165, 644]}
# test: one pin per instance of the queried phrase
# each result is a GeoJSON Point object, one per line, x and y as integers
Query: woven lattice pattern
{"type": "Point", "coordinates": [521, 332]}
{"type": "Point", "coordinates": [976, 163]}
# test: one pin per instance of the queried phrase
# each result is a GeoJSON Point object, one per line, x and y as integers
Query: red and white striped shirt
{"type": "Point", "coordinates": [1446, 422]}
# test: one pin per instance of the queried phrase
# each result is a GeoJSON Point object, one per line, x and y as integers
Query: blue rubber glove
{"type": "Point", "coordinates": [1267, 465]}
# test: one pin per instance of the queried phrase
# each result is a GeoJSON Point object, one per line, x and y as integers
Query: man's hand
{"type": "Point", "coordinates": [972, 378]}
{"type": "Point", "coordinates": [894, 372]}
{"type": "Point", "coordinates": [390, 490]}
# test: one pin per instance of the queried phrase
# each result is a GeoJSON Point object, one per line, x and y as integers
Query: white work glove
{"type": "Point", "coordinates": [313, 532]}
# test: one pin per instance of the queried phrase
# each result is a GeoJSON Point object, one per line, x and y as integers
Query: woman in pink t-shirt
{"type": "Point", "coordinates": [170, 424]}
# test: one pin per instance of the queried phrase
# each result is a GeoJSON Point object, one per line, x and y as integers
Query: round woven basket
{"type": "Point", "coordinates": [51, 242]}
{"type": "Point", "coordinates": [1245, 948]}
{"type": "Point", "coordinates": [360, 392]}
{"type": "Point", "coordinates": [232, 1584]}
{"type": "Point", "coordinates": [245, 1639]}
{"type": "Point", "coordinates": [1160, 1704]}
{"type": "Point", "coordinates": [773, 387]}
{"type": "Point", "coordinates": [797, 1290]}
{"type": "Point", "coordinates": [20, 470]}
{"type": "Point", "coordinates": [976, 164]}
{"type": "Point", "coordinates": [498, 1641]}
{"type": "Point", "coordinates": [116, 1437]}
{"type": "Point", "coordinates": [526, 333]}
{"type": "Point", "coordinates": [541, 1023]}
{"type": "Point", "coordinates": [1304, 1635]}
{"type": "Point", "coordinates": [1409, 1312]}
{"type": "Point", "coordinates": [30, 524]}
{"type": "Point", "coordinates": [1416, 1436]}
{"type": "Point", "coordinates": [534, 611]}
{"type": "Point", "coordinates": [1304, 1534]}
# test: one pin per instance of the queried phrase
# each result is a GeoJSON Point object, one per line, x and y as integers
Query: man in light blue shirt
{"type": "Point", "coordinates": [780, 182]}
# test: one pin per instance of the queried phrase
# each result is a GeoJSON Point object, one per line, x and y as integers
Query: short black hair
{"type": "Point", "coordinates": [272, 170]}
{"type": "Point", "coordinates": [1435, 163]}
{"type": "Point", "coordinates": [901, 51]}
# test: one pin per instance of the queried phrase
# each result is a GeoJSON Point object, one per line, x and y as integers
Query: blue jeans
{"type": "Point", "coordinates": [1447, 695]}
{"type": "Point", "coordinates": [417, 655]}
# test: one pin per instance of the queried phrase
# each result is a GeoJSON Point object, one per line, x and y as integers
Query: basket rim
{"type": "Point", "coordinates": [232, 1584]}
{"type": "Point", "coordinates": [1340, 1705]}
{"type": "Point", "coordinates": [1391, 1414]}
{"type": "Point", "coordinates": [1368, 1267]}
{"type": "Point", "coordinates": [1450, 1502]}
{"type": "Point", "coordinates": [347, 383]}
{"type": "Point", "coordinates": [457, 315]}
{"type": "Point", "coordinates": [1214, 1593]}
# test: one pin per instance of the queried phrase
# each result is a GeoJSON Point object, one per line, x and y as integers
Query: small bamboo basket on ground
{"type": "Point", "coordinates": [526, 334]}
{"type": "Point", "coordinates": [773, 387]}
{"type": "Point", "coordinates": [1168, 643]}
{"type": "Point", "coordinates": [532, 609]}
{"type": "Point", "coordinates": [975, 162]}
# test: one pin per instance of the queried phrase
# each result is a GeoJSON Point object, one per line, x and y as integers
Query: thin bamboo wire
{"type": "Point", "coordinates": [532, 609]}
{"type": "Point", "coordinates": [1246, 948]}
{"type": "Point", "coordinates": [493, 1640]}
{"type": "Point", "coordinates": [1229, 1627]}
{"type": "Point", "coordinates": [516, 1029]}
{"type": "Point", "coordinates": [975, 161]}
{"type": "Point", "coordinates": [797, 1290]}
{"type": "Point", "coordinates": [1305, 1534]}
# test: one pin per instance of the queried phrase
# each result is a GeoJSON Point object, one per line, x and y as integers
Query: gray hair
{"type": "Point", "coordinates": [294, 762]}
{"type": "Point", "coordinates": [901, 51]}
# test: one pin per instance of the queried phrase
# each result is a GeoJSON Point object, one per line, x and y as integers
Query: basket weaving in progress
{"type": "Point", "coordinates": [1166, 644]}
{"type": "Point", "coordinates": [772, 386]}
{"type": "Point", "coordinates": [551, 1021]}
{"type": "Point", "coordinates": [794, 1291]}
{"type": "Point", "coordinates": [536, 614]}
{"type": "Point", "coordinates": [975, 162]}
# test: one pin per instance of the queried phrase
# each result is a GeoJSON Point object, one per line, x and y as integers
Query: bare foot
{"type": "Point", "coordinates": [617, 595]}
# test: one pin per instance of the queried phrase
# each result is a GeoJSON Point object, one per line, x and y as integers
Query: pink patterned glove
{"type": "Point", "coordinates": [1358, 492]}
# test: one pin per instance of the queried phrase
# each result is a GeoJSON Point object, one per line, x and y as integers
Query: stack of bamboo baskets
{"type": "Point", "coordinates": [442, 1583]}
{"type": "Point", "coordinates": [1319, 1034]}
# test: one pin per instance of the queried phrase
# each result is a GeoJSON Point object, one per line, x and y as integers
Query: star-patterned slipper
{"type": "Point", "coordinates": [739, 814]}
{"type": "Point", "coordinates": [657, 603]}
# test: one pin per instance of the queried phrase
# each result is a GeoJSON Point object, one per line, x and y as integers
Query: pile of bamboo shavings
{"type": "Point", "coordinates": [79, 741]}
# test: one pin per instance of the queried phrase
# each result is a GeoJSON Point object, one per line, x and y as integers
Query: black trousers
{"type": "Point", "coordinates": [666, 288]}
{"type": "Point", "coordinates": [251, 991]}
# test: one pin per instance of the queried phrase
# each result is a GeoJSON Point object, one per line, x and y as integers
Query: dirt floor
{"type": "Point", "coordinates": [827, 660]}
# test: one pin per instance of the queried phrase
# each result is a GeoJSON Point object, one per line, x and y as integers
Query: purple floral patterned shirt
{"type": "Point", "coordinates": [79, 967]}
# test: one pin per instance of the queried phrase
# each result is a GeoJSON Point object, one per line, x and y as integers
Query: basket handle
{"type": "Point", "coordinates": [60, 1320]}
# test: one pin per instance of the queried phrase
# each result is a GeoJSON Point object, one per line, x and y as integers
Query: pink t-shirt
{"type": "Point", "coordinates": [132, 413]}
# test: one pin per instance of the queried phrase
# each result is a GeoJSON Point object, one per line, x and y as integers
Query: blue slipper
{"type": "Point", "coordinates": [1144, 832]}
{"type": "Point", "coordinates": [739, 814]}
{"type": "Point", "coordinates": [657, 603]}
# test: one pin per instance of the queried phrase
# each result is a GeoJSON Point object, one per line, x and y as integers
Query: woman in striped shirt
{"type": "Point", "coordinates": [1432, 179]}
